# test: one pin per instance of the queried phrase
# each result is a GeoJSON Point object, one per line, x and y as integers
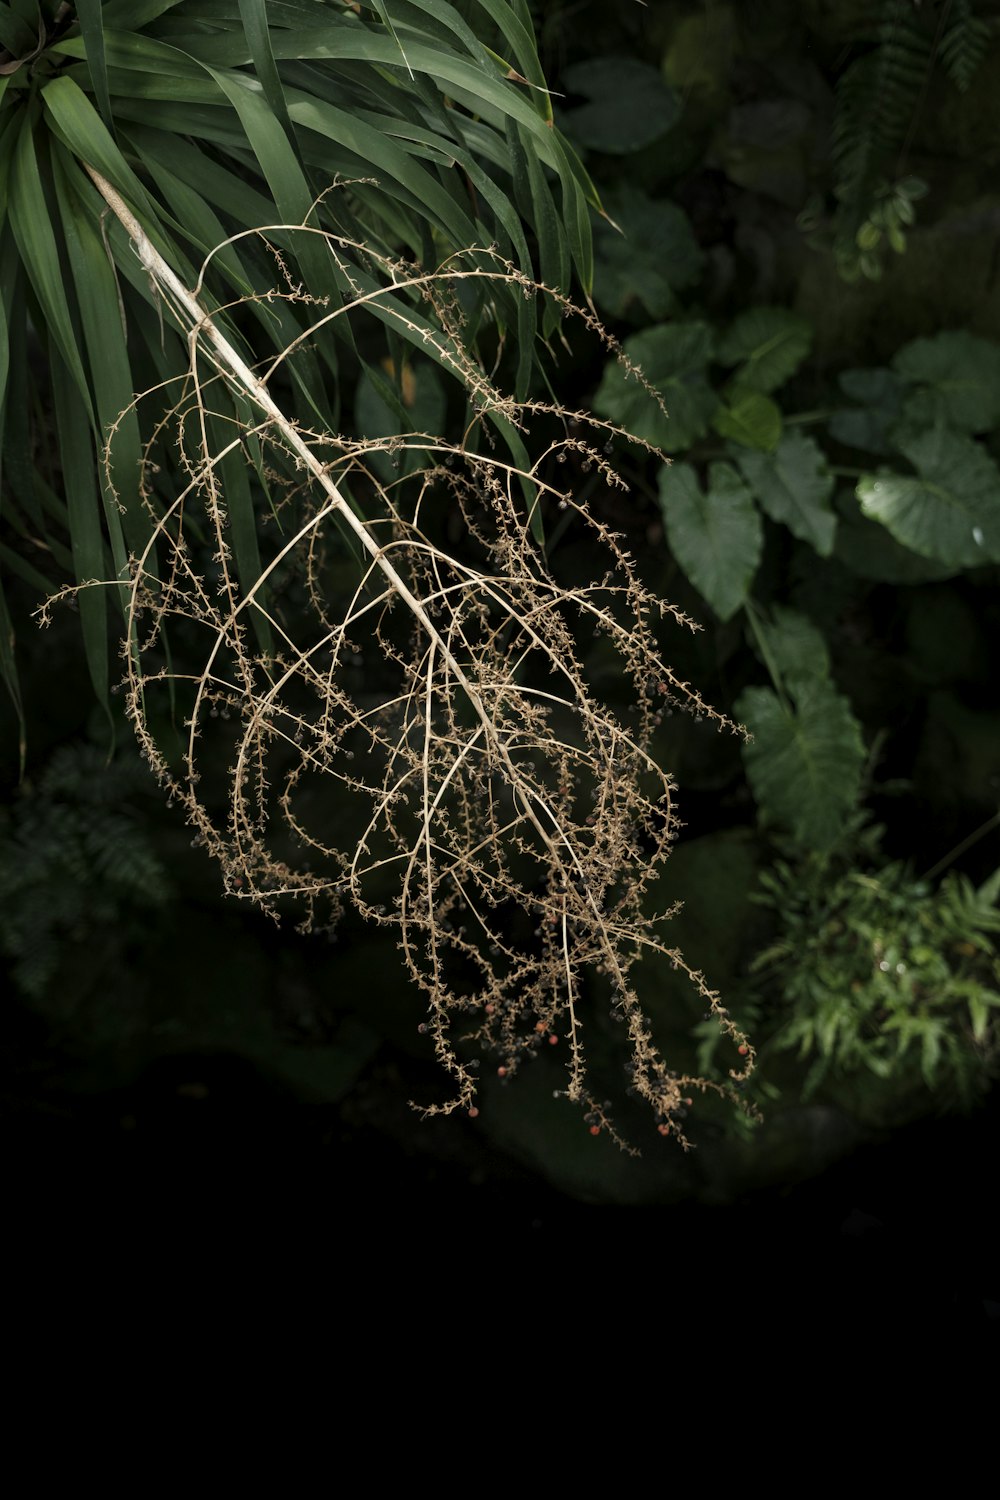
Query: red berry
{"type": "Point", "coordinates": [501, 1072]}
{"type": "Point", "coordinates": [552, 1040]}
{"type": "Point", "coordinates": [663, 1129]}
{"type": "Point", "coordinates": [595, 1129]}
{"type": "Point", "coordinates": [742, 1050]}
{"type": "Point", "coordinates": [473, 1113]}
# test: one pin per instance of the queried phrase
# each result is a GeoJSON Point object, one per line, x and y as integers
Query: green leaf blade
{"type": "Point", "coordinates": [804, 763]}
{"type": "Point", "coordinates": [768, 344]}
{"type": "Point", "coordinates": [957, 376]}
{"type": "Point", "coordinates": [750, 419]}
{"type": "Point", "coordinates": [90, 15]}
{"type": "Point", "coordinates": [949, 510]}
{"type": "Point", "coordinates": [645, 256]}
{"type": "Point", "coordinates": [716, 536]}
{"type": "Point", "coordinates": [36, 241]}
{"type": "Point", "coordinates": [794, 487]}
{"type": "Point", "coordinates": [674, 358]}
{"type": "Point", "coordinates": [629, 104]}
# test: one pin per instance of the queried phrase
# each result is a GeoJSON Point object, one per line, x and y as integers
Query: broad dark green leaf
{"type": "Point", "coordinates": [750, 419]}
{"type": "Point", "coordinates": [629, 104]}
{"type": "Point", "coordinates": [767, 344]}
{"type": "Point", "coordinates": [794, 486]}
{"type": "Point", "coordinates": [715, 535]}
{"type": "Point", "coordinates": [795, 649]}
{"type": "Point", "coordinates": [651, 255]}
{"type": "Point", "coordinates": [872, 552]}
{"type": "Point", "coordinates": [804, 764]}
{"type": "Point", "coordinates": [674, 358]}
{"type": "Point", "coordinates": [950, 509]}
{"type": "Point", "coordinates": [879, 394]}
{"type": "Point", "coordinates": [957, 376]}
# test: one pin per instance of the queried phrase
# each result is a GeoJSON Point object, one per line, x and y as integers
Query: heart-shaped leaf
{"type": "Point", "coordinates": [716, 536]}
{"type": "Point", "coordinates": [674, 358]}
{"type": "Point", "coordinates": [768, 344]}
{"type": "Point", "coordinates": [629, 104]}
{"type": "Point", "coordinates": [950, 509]}
{"type": "Point", "coordinates": [751, 419]}
{"type": "Point", "coordinates": [651, 255]}
{"type": "Point", "coordinates": [958, 380]}
{"type": "Point", "coordinates": [804, 763]}
{"type": "Point", "coordinates": [794, 486]}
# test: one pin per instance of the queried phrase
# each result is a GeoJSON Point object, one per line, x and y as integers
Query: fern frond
{"type": "Point", "coordinates": [876, 97]}
{"type": "Point", "coordinates": [964, 44]}
{"type": "Point", "coordinates": [73, 857]}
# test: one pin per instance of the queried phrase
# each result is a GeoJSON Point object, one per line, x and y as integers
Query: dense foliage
{"type": "Point", "coordinates": [793, 228]}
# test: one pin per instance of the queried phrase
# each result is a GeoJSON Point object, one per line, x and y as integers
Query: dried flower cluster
{"type": "Point", "coordinates": [424, 743]}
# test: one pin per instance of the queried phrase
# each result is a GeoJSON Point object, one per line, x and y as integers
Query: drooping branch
{"type": "Point", "coordinates": [519, 822]}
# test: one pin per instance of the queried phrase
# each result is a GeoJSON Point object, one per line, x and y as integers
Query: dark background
{"type": "Point", "coordinates": [188, 1064]}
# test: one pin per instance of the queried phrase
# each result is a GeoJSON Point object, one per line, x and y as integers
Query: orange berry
{"type": "Point", "coordinates": [595, 1129]}
{"type": "Point", "coordinates": [473, 1113]}
{"type": "Point", "coordinates": [501, 1072]}
{"type": "Point", "coordinates": [742, 1050]}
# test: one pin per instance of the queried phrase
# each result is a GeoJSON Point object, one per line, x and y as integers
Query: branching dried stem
{"type": "Point", "coordinates": [505, 823]}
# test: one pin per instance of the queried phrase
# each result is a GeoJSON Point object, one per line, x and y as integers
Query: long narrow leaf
{"type": "Point", "coordinates": [36, 241]}
{"type": "Point", "coordinates": [8, 671]}
{"type": "Point", "coordinates": [116, 424]}
{"type": "Point", "coordinates": [8, 663]}
{"type": "Point", "coordinates": [90, 15]}
{"type": "Point", "coordinates": [136, 13]}
{"type": "Point", "coordinates": [17, 490]}
{"type": "Point", "coordinates": [253, 14]}
{"type": "Point", "coordinates": [243, 531]}
{"type": "Point", "coordinates": [79, 468]}
{"type": "Point", "coordinates": [484, 92]}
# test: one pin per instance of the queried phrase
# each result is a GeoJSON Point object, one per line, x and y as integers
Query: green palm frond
{"type": "Point", "coordinates": [211, 117]}
{"type": "Point", "coordinates": [876, 96]}
{"type": "Point", "coordinates": [964, 44]}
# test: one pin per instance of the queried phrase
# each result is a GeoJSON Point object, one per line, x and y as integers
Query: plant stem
{"type": "Point", "coordinates": [752, 610]}
{"type": "Point", "coordinates": [960, 848]}
{"type": "Point", "coordinates": [231, 362]}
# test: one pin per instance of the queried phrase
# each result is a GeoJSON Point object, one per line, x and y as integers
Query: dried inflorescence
{"type": "Point", "coordinates": [424, 743]}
